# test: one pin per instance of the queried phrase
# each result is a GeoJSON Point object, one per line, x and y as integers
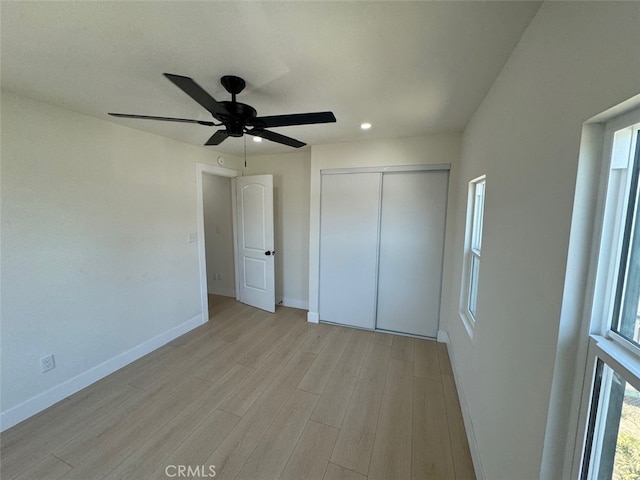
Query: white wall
{"type": "Point", "coordinates": [432, 149]}
{"type": "Point", "coordinates": [575, 60]}
{"type": "Point", "coordinates": [95, 253]}
{"type": "Point", "coordinates": [218, 231]}
{"type": "Point", "coordinates": [291, 222]}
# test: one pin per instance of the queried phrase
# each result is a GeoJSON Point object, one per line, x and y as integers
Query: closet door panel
{"type": "Point", "coordinates": [349, 220]}
{"type": "Point", "coordinates": [411, 251]}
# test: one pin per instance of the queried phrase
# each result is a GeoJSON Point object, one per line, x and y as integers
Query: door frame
{"type": "Point", "coordinates": [206, 169]}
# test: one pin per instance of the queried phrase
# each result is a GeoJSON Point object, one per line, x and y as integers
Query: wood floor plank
{"type": "Point", "coordinates": [318, 336]}
{"type": "Point", "coordinates": [49, 468]}
{"type": "Point", "coordinates": [392, 447]}
{"type": "Point", "coordinates": [222, 308]}
{"type": "Point", "coordinates": [225, 395]}
{"type": "Point", "coordinates": [217, 327]}
{"type": "Point", "coordinates": [355, 441]}
{"type": "Point", "coordinates": [261, 322]}
{"type": "Point", "coordinates": [270, 341]}
{"type": "Point", "coordinates": [403, 348]}
{"type": "Point", "coordinates": [318, 375]}
{"type": "Point", "coordinates": [178, 363]}
{"type": "Point", "coordinates": [199, 446]}
{"type": "Point", "coordinates": [270, 456]}
{"type": "Point", "coordinates": [133, 370]}
{"type": "Point", "coordinates": [153, 370]}
{"type": "Point", "coordinates": [63, 423]}
{"type": "Point", "coordinates": [336, 472]}
{"type": "Point", "coordinates": [426, 363]}
{"type": "Point", "coordinates": [219, 304]}
{"type": "Point", "coordinates": [312, 453]}
{"type": "Point", "coordinates": [144, 460]}
{"type": "Point", "coordinates": [384, 338]}
{"type": "Point", "coordinates": [234, 451]}
{"type": "Point", "coordinates": [251, 317]}
{"type": "Point", "coordinates": [206, 329]}
{"type": "Point", "coordinates": [334, 401]}
{"type": "Point", "coordinates": [255, 384]}
{"type": "Point", "coordinates": [213, 369]}
{"type": "Point", "coordinates": [218, 364]}
{"type": "Point", "coordinates": [72, 448]}
{"type": "Point", "coordinates": [431, 454]}
{"type": "Point", "coordinates": [85, 403]}
{"type": "Point", "coordinates": [97, 456]}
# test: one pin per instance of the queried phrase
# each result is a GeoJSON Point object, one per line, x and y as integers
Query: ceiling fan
{"type": "Point", "coordinates": [237, 118]}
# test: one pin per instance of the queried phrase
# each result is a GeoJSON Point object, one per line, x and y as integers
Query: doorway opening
{"type": "Point", "coordinates": [217, 235]}
{"type": "Point", "coordinates": [218, 240]}
{"type": "Point", "coordinates": [235, 225]}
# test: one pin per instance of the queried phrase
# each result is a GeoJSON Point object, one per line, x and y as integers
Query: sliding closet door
{"type": "Point", "coordinates": [411, 251]}
{"type": "Point", "coordinates": [348, 248]}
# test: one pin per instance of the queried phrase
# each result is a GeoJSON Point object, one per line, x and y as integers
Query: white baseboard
{"type": "Point", "coordinates": [36, 404]}
{"type": "Point", "coordinates": [292, 302]}
{"type": "Point", "coordinates": [443, 337]}
{"type": "Point", "coordinates": [313, 317]}
{"type": "Point", "coordinates": [225, 292]}
{"type": "Point", "coordinates": [466, 415]}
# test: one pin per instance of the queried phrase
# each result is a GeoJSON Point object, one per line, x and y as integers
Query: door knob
{"type": "Point", "coordinates": [267, 253]}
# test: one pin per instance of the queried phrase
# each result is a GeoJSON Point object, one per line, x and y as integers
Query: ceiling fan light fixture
{"type": "Point", "coordinates": [365, 126]}
{"type": "Point", "coordinates": [257, 139]}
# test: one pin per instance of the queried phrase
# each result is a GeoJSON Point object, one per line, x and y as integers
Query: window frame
{"type": "Point", "coordinates": [604, 344]}
{"type": "Point", "coordinates": [472, 252]}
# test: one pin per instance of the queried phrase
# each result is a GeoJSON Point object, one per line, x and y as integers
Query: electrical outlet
{"type": "Point", "coordinates": [47, 363]}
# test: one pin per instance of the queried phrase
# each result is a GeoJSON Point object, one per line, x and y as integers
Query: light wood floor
{"type": "Point", "coordinates": [255, 395]}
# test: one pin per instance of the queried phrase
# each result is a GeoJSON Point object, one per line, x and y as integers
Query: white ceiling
{"type": "Point", "coordinates": [409, 68]}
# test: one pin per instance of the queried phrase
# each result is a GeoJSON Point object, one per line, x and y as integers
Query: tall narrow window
{"type": "Point", "coordinates": [611, 448]}
{"type": "Point", "coordinates": [473, 251]}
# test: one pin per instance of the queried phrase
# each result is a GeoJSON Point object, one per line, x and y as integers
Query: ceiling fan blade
{"type": "Point", "coordinates": [195, 91]}
{"type": "Point", "coordinates": [217, 138]}
{"type": "Point", "coordinates": [295, 119]}
{"type": "Point", "coordinates": [276, 137]}
{"type": "Point", "coordinates": [164, 119]}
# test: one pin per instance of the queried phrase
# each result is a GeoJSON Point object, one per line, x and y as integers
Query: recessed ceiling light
{"type": "Point", "coordinates": [365, 126]}
{"type": "Point", "coordinates": [257, 139]}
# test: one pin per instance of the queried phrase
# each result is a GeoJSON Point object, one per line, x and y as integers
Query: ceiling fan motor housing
{"type": "Point", "coordinates": [240, 114]}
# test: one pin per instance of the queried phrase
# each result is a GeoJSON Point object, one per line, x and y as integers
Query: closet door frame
{"type": "Point", "coordinates": [388, 169]}
{"type": "Point", "coordinates": [382, 170]}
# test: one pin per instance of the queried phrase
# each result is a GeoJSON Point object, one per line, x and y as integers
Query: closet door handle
{"type": "Point", "coordinates": [268, 253]}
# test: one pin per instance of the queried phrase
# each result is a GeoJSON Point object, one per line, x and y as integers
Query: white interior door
{"type": "Point", "coordinates": [348, 248]}
{"type": "Point", "coordinates": [412, 224]}
{"type": "Point", "coordinates": [254, 209]}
